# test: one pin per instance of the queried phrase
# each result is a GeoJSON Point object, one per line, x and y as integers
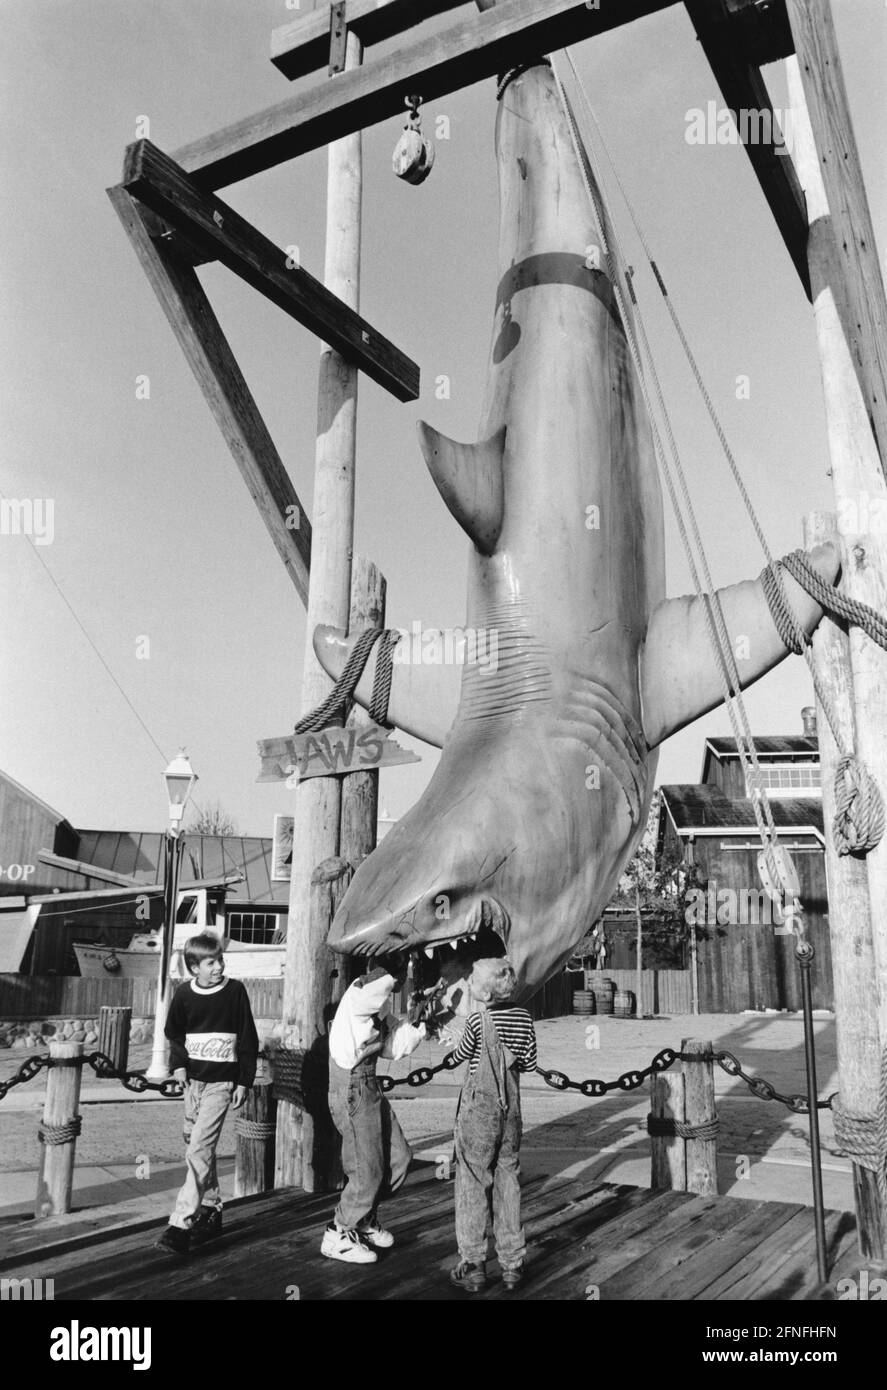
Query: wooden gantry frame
{"type": "Point", "coordinates": [171, 212]}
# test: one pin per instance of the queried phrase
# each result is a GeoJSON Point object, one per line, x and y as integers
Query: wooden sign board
{"type": "Point", "coordinates": [330, 752]}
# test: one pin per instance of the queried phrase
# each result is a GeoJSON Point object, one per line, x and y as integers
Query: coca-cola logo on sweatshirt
{"type": "Point", "coordinates": [211, 1047]}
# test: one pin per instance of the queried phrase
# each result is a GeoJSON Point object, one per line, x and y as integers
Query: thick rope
{"type": "Point", "coordinates": [335, 706]}
{"type": "Point", "coordinates": [663, 1128]}
{"type": "Point", "coordinates": [382, 680]}
{"type": "Point", "coordinates": [834, 600]}
{"type": "Point", "coordinates": [253, 1129]}
{"type": "Point", "coordinates": [60, 1134]}
{"type": "Point", "coordinates": [863, 1138]}
{"type": "Point", "coordinates": [512, 74]}
{"type": "Point", "coordinates": [859, 819]}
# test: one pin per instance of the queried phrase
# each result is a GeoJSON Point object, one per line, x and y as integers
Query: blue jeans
{"type": "Point", "coordinates": [206, 1105]}
{"type": "Point", "coordinates": [488, 1135]}
{"type": "Point", "coordinates": [375, 1155]}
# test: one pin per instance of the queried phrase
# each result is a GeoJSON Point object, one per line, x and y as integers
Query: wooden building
{"type": "Point", "coordinates": [744, 952]}
{"type": "Point", "coordinates": [102, 879]}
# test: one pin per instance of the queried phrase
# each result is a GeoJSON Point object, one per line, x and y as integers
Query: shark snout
{"type": "Point", "coordinates": [456, 916]}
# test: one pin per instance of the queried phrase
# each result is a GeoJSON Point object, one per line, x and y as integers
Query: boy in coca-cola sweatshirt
{"type": "Point", "coordinates": [213, 1050]}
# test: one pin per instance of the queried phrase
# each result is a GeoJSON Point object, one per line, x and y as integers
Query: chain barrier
{"type": "Point", "coordinates": [104, 1068]}
{"type": "Point", "coordinates": [170, 1089]}
{"type": "Point", "coordinates": [763, 1090]}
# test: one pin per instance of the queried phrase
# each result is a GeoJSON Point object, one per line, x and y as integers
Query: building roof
{"type": "Point", "coordinates": [139, 854]}
{"type": "Point", "coordinates": [769, 745]}
{"type": "Point", "coordinates": [692, 806]}
{"type": "Point", "coordinates": [26, 795]}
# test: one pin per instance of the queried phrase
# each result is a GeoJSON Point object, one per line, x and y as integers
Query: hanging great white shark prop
{"type": "Point", "coordinates": [546, 775]}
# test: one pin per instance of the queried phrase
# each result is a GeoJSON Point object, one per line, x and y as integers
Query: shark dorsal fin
{"type": "Point", "coordinates": [469, 479]}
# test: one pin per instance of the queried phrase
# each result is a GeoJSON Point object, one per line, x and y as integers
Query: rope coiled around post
{"type": "Point", "coordinates": [661, 1127]}
{"type": "Point", "coordinates": [859, 806]}
{"type": "Point", "coordinates": [253, 1129]}
{"type": "Point", "coordinates": [60, 1134]}
{"type": "Point", "coordinates": [335, 706]}
{"type": "Point", "coordinates": [863, 1138]}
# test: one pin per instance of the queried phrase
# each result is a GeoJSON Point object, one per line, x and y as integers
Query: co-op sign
{"type": "Point", "coordinates": [17, 873]}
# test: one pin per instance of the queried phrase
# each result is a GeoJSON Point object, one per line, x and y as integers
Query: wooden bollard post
{"type": "Point", "coordinates": [114, 1029]}
{"type": "Point", "coordinates": [254, 1129]}
{"type": "Point", "coordinates": [681, 1162]}
{"type": "Point", "coordinates": [58, 1130]}
{"type": "Point", "coordinates": [699, 1109]}
{"type": "Point", "coordinates": [668, 1172]}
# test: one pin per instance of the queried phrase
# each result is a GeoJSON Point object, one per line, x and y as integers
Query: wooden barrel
{"type": "Point", "coordinates": [623, 1003]}
{"type": "Point", "coordinates": [604, 989]}
{"type": "Point", "coordinates": [583, 1001]}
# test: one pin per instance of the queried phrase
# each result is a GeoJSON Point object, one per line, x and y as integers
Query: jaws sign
{"type": "Point", "coordinates": [330, 752]}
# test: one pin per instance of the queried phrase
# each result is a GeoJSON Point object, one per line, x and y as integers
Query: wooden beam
{"type": "Point", "coordinates": [155, 179]}
{"type": "Point", "coordinates": [206, 349]}
{"type": "Point", "coordinates": [744, 90]}
{"type": "Point", "coordinates": [860, 295]}
{"type": "Point", "coordinates": [433, 66]}
{"type": "Point", "coordinates": [303, 45]}
{"type": "Point", "coordinates": [79, 867]}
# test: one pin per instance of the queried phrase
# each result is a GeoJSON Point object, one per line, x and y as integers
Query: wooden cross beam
{"type": "Point", "coordinates": [155, 179]}
{"type": "Point", "coordinates": [483, 45]}
{"type": "Point", "coordinates": [303, 45]}
{"type": "Point", "coordinates": [199, 333]}
{"type": "Point", "coordinates": [736, 36]}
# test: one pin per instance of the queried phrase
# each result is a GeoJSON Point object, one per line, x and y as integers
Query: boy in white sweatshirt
{"type": "Point", "coordinates": [375, 1154]}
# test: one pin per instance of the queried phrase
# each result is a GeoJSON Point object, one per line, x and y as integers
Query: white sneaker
{"type": "Point", "coordinates": [378, 1237]}
{"type": "Point", "coordinates": [350, 1246]}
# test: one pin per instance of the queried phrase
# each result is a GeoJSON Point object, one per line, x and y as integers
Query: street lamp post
{"type": "Point", "coordinates": [180, 779]}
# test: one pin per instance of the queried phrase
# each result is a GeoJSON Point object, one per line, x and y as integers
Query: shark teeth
{"type": "Point", "coordinates": [429, 951]}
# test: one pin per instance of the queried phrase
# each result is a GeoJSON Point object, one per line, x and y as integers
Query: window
{"type": "Point", "coordinates": [787, 779]}
{"type": "Point", "coordinates": [255, 928]}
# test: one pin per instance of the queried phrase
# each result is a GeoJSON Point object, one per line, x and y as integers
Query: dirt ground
{"type": "Point", "coordinates": [130, 1150]}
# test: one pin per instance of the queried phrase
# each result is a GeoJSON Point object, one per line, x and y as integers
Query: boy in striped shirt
{"type": "Point", "coordinates": [498, 1043]}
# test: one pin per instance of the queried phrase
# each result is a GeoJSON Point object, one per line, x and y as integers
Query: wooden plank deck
{"type": "Point", "coordinates": [604, 1241]}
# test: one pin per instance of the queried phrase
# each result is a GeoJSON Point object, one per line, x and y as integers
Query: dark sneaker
{"type": "Point", "coordinates": [207, 1225]}
{"type": "Point", "coordinates": [471, 1278]}
{"type": "Point", "coordinates": [512, 1277]}
{"type": "Point", "coordinates": [174, 1241]}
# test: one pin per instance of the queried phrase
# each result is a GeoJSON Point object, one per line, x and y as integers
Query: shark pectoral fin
{"type": "Point", "coordinates": [469, 479]}
{"type": "Point", "coordinates": [680, 673]}
{"type": "Point", "coordinates": [423, 700]}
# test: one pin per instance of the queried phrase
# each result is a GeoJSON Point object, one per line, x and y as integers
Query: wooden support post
{"type": "Point", "coordinates": [849, 917]}
{"type": "Point", "coordinates": [254, 1126]}
{"type": "Point", "coordinates": [851, 329]}
{"type": "Point", "coordinates": [843, 253]}
{"type": "Point", "coordinates": [360, 790]}
{"type": "Point", "coordinates": [668, 1172]}
{"type": "Point", "coordinates": [308, 983]}
{"type": "Point", "coordinates": [308, 1149]}
{"type": "Point", "coordinates": [699, 1109]}
{"type": "Point", "coordinates": [114, 1029]}
{"type": "Point", "coordinates": [55, 1180]}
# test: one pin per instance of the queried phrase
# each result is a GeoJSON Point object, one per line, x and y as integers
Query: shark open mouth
{"type": "Point", "coordinates": [452, 958]}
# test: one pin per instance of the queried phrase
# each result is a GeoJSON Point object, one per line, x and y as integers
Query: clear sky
{"type": "Point", "coordinates": [155, 535]}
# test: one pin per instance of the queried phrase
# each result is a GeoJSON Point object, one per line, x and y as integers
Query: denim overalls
{"type": "Point", "coordinates": [488, 1135]}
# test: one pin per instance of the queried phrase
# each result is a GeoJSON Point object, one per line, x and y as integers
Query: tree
{"type": "Point", "coordinates": [212, 820]}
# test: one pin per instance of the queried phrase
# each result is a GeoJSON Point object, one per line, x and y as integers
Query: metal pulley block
{"type": "Point", "coordinates": [413, 154]}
